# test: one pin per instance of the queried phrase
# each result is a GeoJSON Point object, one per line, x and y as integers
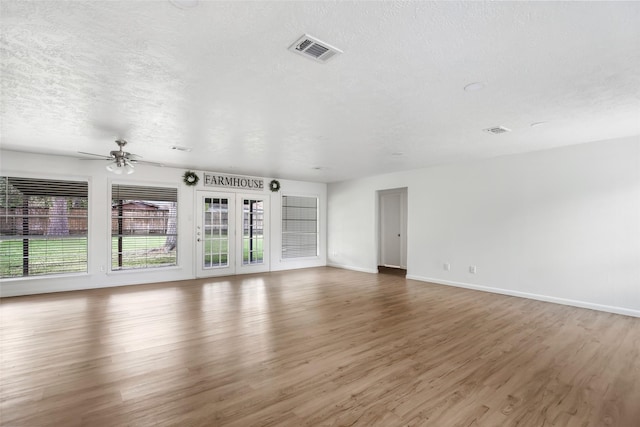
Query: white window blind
{"type": "Point", "coordinates": [299, 227]}
{"type": "Point", "coordinates": [143, 227]}
{"type": "Point", "coordinates": [43, 226]}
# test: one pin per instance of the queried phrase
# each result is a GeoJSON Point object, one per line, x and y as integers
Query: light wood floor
{"type": "Point", "coordinates": [317, 347]}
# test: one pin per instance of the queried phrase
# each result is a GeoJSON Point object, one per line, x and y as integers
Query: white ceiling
{"type": "Point", "coordinates": [219, 78]}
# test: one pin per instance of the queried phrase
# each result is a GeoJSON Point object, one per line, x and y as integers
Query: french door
{"type": "Point", "coordinates": [232, 235]}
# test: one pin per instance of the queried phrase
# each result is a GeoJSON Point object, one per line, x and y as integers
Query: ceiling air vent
{"type": "Point", "coordinates": [181, 148]}
{"type": "Point", "coordinates": [497, 130]}
{"type": "Point", "coordinates": [314, 49]}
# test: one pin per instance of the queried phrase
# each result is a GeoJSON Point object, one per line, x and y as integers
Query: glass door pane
{"type": "Point", "coordinates": [215, 234]}
{"type": "Point", "coordinates": [252, 232]}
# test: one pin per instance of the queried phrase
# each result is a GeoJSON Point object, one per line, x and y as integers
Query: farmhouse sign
{"type": "Point", "coordinates": [233, 181]}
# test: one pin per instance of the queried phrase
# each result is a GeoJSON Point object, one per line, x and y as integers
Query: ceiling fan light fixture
{"type": "Point", "coordinates": [120, 166]}
{"type": "Point", "coordinates": [128, 168]}
{"type": "Point", "coordinates": [114, 168]}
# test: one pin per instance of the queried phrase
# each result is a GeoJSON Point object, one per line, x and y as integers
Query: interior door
{"type": "Point", "coordinates": [232, 236]}
{"type": "Point", "coordinates": [215, 234]}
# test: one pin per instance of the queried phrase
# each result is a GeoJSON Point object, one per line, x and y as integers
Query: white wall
{"type": "Point", "coordinates": [560, 225]}
{"type": "Point", "coordinates": [297, 188]}
{"type": "Point", "coordinates": [98, 275]}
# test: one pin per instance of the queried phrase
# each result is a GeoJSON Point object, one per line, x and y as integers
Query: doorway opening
{"type": "Point", "coordinates": [392, 231]}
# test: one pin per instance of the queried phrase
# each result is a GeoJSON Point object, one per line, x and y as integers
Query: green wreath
{"type": "Point", "coordinates": [190, 178]}
{"type": "Point", "coordinates": [274, 185]}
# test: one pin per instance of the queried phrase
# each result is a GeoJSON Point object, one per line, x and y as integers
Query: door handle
{"type": "Point", "coordinates": [198, 239]}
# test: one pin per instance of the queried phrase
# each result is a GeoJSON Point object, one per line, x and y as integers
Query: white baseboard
{"type": "Point", "coordinates": [546, 298]}
{"type": "Point", "coordinates": [349, 267]}
{"type": "Point", "coordinates": [7, 291]}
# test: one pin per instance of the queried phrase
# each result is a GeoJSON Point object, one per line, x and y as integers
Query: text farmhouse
{"type": "Point", "coordinates": [231, 181]}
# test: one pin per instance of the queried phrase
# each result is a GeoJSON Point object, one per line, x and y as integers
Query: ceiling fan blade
{"type": "Point", "coordinates": [102, 157]}
{"type": "Point", "coordinates": [120, 155]}
{"type": "Point", "coordinates": [144, 162]}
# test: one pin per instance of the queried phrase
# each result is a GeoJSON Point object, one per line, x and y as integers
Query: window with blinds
{"type": "Point", "coordinates": [43, 226]}
{"type": "Point", "coordinates": [143, 227]}
{"type": "Point", "coordinates": [299, 227]}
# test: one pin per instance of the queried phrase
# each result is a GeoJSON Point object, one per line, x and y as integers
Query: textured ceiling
{"type": "Point", "coordinates": [219, 78]}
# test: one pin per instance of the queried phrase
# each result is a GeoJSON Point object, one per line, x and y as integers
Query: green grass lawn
{"type": "Point", "coordinates": [52, 256]}
{"type": "Point", "coordinates": [215, 252]}
{"type": "Point", "coordinates": [141, 252]}
{"type": "Point", "coordinates": [49, 256]}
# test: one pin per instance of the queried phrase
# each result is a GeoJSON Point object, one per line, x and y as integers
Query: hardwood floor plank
{"type": "Point", "coordinates": [314, 347]}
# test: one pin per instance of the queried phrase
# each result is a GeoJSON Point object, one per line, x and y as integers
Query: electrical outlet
{"type": "Point", "coordinates": [472, 269]}
{"type": "Point", "coordinates": [446, 266]}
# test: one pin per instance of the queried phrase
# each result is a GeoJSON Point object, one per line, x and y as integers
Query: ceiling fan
{"type": "Point", "coordinates": [120, 161]}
